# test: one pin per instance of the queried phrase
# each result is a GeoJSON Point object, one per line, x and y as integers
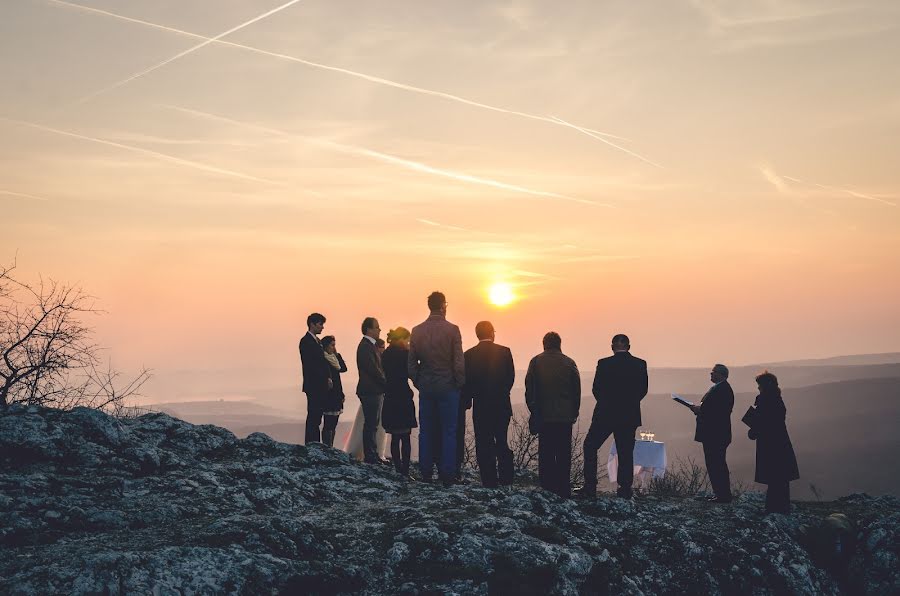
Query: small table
{"type": "Point", "coordinates": [649, 461]}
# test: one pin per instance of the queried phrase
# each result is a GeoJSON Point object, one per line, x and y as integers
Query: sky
{"type": "Point", "coordinates": [718, 180]}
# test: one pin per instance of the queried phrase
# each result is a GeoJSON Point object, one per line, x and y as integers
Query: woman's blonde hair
{"type": "Point", "coordinates": [397, 334]}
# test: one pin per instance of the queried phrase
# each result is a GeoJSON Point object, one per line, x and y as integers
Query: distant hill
{"type": "Point", "coordinates": [885, 358]}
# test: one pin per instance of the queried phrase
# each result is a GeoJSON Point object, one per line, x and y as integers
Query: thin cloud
{"type": "Point", "coordinates": [435, 224]}
{"type": "Point", "coordinates": [22, 195]}
{"type": "Point", "coordinates": [591, 134]}
{"type": "Point", "coordinates": [162, 156]}
{"type": "Point", "coordinates": [190, 50]}
{"type": "Point", "coordinates": [407, 164]}
{"type": "Point", "coordinates": [847, 191]}
{"type": "Point", "coordinates": [360, 75]}
{"type": "Point", "coordinates": [774, 179]}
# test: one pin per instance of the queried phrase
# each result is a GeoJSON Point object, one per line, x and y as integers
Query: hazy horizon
{"type": "Point", "coordinates": [717, 179]}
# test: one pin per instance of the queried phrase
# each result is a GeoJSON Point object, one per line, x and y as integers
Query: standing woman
{"type": "Point", "coordinates": [334, 403]}
{"type": "Point", "coordinates": [776, 464]}
{"type": "Point", "coordinates": [398, 416]}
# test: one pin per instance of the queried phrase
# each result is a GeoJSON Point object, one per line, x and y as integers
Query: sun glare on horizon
{"type": "Point", "coordinates": [501, 294]}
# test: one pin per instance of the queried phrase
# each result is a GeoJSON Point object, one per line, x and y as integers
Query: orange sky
{"type": "Point", "coordinates": [742, 206]}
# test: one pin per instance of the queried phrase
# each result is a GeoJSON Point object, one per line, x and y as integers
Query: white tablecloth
{"type": "Point", "coordinates": [649, 460]}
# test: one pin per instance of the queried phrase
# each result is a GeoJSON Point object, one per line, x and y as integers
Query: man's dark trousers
{"type": "Point", "coordinates": [597, 435]}
{"type": "Point", "coordinates": [495, 458]}
{"type": "Point", "coordinates": [371, 406]}
{"type": "Point", "coordinates": [717, 468]}
{"type": "Point", "coordinates": [555, 458]}
{"type": "Point", "coordinates": [314, 413]}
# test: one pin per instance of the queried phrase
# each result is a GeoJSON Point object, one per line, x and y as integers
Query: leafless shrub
{"type": "Point", "coordinates": [684, 479]}
{"type": "Point", "coordinates": [47, 353]}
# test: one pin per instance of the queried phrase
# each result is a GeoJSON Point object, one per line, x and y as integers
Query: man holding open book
{"type": "Point", "coordinates": [714, 431]}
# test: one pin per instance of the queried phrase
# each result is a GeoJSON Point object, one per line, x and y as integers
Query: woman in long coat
{"type": "Point", "coordinates": [776, 464]}
{"type": "Point", "coordinates": [334, 402]}
{"type": "Point", "coordinates": [398, 414]}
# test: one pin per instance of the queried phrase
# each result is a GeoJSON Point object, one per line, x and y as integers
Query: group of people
{"type": "Point", "coordinates": [450, 382]}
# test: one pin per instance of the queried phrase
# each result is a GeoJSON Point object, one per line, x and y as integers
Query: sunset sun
{"type": "Point", "coordinates": [501, 294]}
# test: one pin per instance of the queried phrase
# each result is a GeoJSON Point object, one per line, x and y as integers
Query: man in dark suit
{"type": "Point", "coordinates": [370, 389]}
{"type": "Point", "coordinates": [620, 384]}
{"type": "Point", "coordinates": [714, 431]}
{"type": "Point", "coordinates": [316, 376]}
{"type": "Point", "coordinates": [490, 374]}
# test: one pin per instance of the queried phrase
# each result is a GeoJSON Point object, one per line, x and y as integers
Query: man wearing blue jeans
{"type": "Point", "coordinates": [437, 369]}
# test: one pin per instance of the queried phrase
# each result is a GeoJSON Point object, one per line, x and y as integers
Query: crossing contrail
{"type": "Point", "coordinates": [360, 75]}
{"type": "Point", "coordinates": [156, 154]}
{"type": "Point", "coordinates": [593, 135]}
{"type": "Point", "coordinates": [391, 159]}
{"type": "Point", "coordinates": [847, 191]}
{"type": "Point", "coordinates": [190, 50]}
{"type": "Point", "coordinates": [22, 195]}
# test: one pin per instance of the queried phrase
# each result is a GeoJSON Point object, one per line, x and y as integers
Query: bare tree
{"type": "Point", "coordinates": [47, 353]}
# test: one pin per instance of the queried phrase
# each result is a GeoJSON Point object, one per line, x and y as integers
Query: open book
{"type": "Point", "coordinates": [681, 400]}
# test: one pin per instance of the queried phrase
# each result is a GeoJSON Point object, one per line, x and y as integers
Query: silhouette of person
{"type": "Point", "coordinates": [620, 383]}
{"type": "Point", "coordinates": [317, 380]}
{"type": "Point", "coordinates": [490, 374]}
{"type": "Point", "coordinates": [776, 463]}
{"type": "Point", "coordinates": [437, 369]}
{"type": "Point", "coordinates": [398, 415]}
{"type": "Point", "coordinates": [714, 431]}
{"type": "Point", "coordinates": [553, 396]}
{"type": "Point", "coordinates": [371, 387]}
{"type": "Point", "coordinates": [334, 402]}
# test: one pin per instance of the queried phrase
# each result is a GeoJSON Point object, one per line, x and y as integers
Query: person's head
{"type": "Point", "coordinates": [620, 343]}
{"type": "Point", "coordinates": [399, 336]}
{"type": "Point", "coordinates": [315, 323]}
{"type": "Point", "coordinates": [484, 330]}
{"type": "Point", "coordinates": [552, 341]}
{"type": "Point", "coordinates": [379, 345]}
{"type": "Point", "coordinates": [370, 327]}
{"type": "Point", "coordinates": [768, 383]}
{"type": "Point", "coordinates": [328, 344]}
{"type": "Point", "coordinates": [437, 303]}
{"type": "Point", "coordinates": [718, 373]}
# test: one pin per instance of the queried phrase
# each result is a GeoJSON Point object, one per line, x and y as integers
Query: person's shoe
{"type": "Point", "coordinates": [625, 493]}
{"type": "Point", "coordinates": [719, 500]}
{"type": "Point", "coordinates": [585, 492]}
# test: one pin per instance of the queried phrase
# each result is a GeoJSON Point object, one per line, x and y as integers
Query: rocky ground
{"type": "Point", "coordinates": [94, 505]}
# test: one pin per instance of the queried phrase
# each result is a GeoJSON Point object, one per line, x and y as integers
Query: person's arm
{"type": "Point", "coordinates": [531, 396]}
{"type": "Point", "coordinates": [343, 367]}
{"type": "Point", "coordinates": [459, 362]}
{"type": "Point", "coordinates": [643, 382]}
{"type": "Point", "coordinates": [597, 389]}
{"type": "Point", "coordinates": [412, 363]}
{"type": "Point", "coordinates": [510, 373]}
{"type": "Point", "coordinates": [576, 387]}
{"type": "Point", "coordinates": [467, 393]}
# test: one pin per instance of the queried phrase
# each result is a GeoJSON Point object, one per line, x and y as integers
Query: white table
{"type": "Point", "coordinates": [649, 461]}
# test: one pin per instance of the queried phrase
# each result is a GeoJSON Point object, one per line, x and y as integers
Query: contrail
{"type": "Point", "coordinates": [156, 154]}
{"type": "Point", "coordinates": [23, 195]}
{"type": "Point", "coordinates": [392, 159]}
{"type": "Point", "coordinates": [190, 50]}
{"type": "Point", "coordinates": [356, 74]}
{"type": "Point", "coordinates": [593, 135]}
{"type": "Point", "coordinates": [847, 191]}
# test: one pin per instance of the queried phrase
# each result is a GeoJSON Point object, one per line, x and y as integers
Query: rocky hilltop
{"type": "Point", "coordinates": [90, 504]}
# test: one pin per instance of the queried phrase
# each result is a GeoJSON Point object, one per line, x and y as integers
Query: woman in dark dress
{"type": "Point", "coordinates": [334, 403]}
{"type": "Point", "coordinates": [776, 464]}
{"type": "Point", "coordinates": [398, 414]}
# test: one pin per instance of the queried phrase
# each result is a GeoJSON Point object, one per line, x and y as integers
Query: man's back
{"type": "Point", "coordinates": [620, 384]}
{"type": "Point", "coordinates": [553, 387]}
{"type": "Point", "coordinates": [436, 360]}
{"type": "Point", "coordinates": [490, 375]}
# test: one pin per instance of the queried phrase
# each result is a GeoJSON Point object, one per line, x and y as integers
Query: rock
{"type": "Point", "coordinates": [154, 505]}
